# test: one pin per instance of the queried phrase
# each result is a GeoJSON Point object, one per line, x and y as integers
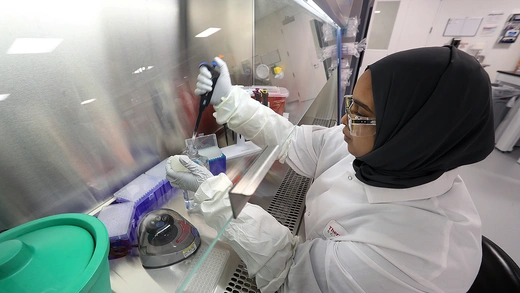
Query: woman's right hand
{"type": "Point", "coordinates": [222, 87]}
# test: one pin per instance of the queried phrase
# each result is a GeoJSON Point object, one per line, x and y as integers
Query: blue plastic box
{"type": "Point", "coordinates": [146, 192]}
{"type": "Point", "coordinates": [217, 165]}
{"type": "Point", "coordinates": [143, 191]}
{"type": "Point", "coordinates": [159, 171]}
{"type": "Point", "coordinates": [119, 220]}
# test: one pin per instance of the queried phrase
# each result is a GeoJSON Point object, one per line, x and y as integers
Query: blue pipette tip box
{"type": "Point", "coordinates": [119, 221]}
{"type": "Point", "coordinates": [217, 165]}
{"type": "Point", "coordinates": [159, 171]}
{"type": "Point", "coordinates": [146, 192]}
{"type": "Point", "coordinates": [143, 191]}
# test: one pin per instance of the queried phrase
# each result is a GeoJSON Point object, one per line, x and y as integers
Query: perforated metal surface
{"type": "Point", "coordinates": [288, 204]}
{"type": "Point", "coordinates": [240, 282]}
{"type": "Point", "coordinates": [209, 272]}
{"type": "Point", "coordinates": [324, 122]}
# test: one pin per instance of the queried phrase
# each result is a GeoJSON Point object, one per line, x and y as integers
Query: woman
{"type": "Point", "coordinates": [387, 211]}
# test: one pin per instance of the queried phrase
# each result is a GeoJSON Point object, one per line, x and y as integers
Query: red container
{"type": "Point", "coordinates": [277, 96]}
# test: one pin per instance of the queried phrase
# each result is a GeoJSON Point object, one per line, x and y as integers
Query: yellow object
{"type": "Point", "coordinates": [277, 70]}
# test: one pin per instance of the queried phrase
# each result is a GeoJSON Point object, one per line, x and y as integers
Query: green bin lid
{"type": "Point", "coordinates": [59, 253]}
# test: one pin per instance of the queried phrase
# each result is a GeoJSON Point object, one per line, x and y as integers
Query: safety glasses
{"type": "Point", "coordinates": [358, 125]}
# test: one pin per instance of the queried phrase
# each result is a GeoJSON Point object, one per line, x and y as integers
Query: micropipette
{"type": "Point", "coordinates": [206, 98]}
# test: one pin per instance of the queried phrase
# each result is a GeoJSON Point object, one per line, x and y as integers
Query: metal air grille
{"type": "Point", "coordinates": [324, 122]}
{"type": "Point", "coordinates": [240, 282]}
{"type": "Point", "coordinates": [289, 202]}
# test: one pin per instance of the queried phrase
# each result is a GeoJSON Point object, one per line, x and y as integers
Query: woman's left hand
{"type": "Point", "coordinates": [190, 179]}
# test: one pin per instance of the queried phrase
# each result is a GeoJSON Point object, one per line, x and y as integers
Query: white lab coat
{"type": "Point", "coordinates": [359, 238]}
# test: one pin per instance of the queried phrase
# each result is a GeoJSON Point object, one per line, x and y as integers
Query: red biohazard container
{"type": "Point", "coordinates": [277, 96]}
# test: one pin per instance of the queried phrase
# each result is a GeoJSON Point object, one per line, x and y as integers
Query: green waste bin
{"type": "Point", "coordinates": [61, 253]}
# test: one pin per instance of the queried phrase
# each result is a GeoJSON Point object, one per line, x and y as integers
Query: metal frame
{"type": "Point", "coordinates": [246, 187]}
{"type": "Point", "coordinates": [355, 63]}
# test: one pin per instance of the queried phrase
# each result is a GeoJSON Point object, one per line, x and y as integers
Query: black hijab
{"type": "Point", "coordinates": [433, 114]}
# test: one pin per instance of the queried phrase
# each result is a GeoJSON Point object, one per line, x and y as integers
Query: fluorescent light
{"type": "Point", "coordinates": [4, 96]}
{"type": "Point", "coordinates": [34, 45]}
{"type": "Point", "coordinates": [316, 10]}
{"type": "Point", "coordinates": [208, 32]}
{"type": "Point", "coordinates": [315, 6]}
{"type": "Point", "coordinates": [377, 11]}
{"type": "Point", "coordinates": [141, 69]}
{"type": "Point", "coordinates": [87, 101]}
{"type": "Point", "coordinates": [54, 13]}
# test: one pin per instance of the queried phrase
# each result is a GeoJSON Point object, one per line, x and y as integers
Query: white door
{"type": "Point", "coordinates": [397, 26]}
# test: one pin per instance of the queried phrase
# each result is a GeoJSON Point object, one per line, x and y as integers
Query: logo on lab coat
{"type": "Point", "coordinates": [333, 229]}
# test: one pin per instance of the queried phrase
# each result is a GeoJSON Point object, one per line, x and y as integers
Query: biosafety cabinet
{"type": "Point", "coordinates": [94, 94]}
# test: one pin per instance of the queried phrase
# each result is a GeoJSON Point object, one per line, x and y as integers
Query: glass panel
{"type": "Point", "coordinates": [233, 43]}
{"type": "Point", "coordinates": [289, 37]}
{"type": "Point", "coordinates": [203, 259]}
{"type": "Point", "coordinates": [95, 92]}
{"type": "Point", "coordinates": [382, 24]}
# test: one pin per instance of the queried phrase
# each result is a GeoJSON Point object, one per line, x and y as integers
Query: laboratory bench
{"type": "Point", "coordinates": [281, 192]}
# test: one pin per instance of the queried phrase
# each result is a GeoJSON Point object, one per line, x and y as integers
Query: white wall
{"type": "Point", "coordinates": [416, 17]}
{"type": "Point", "coordinates": [269, 37]}
{"type": "Point", "coordinates": [304, 75]}
{"type": "Point", "coordinates": [411, 29]}
{"type": "Point", "coordinates": [498, 56]}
